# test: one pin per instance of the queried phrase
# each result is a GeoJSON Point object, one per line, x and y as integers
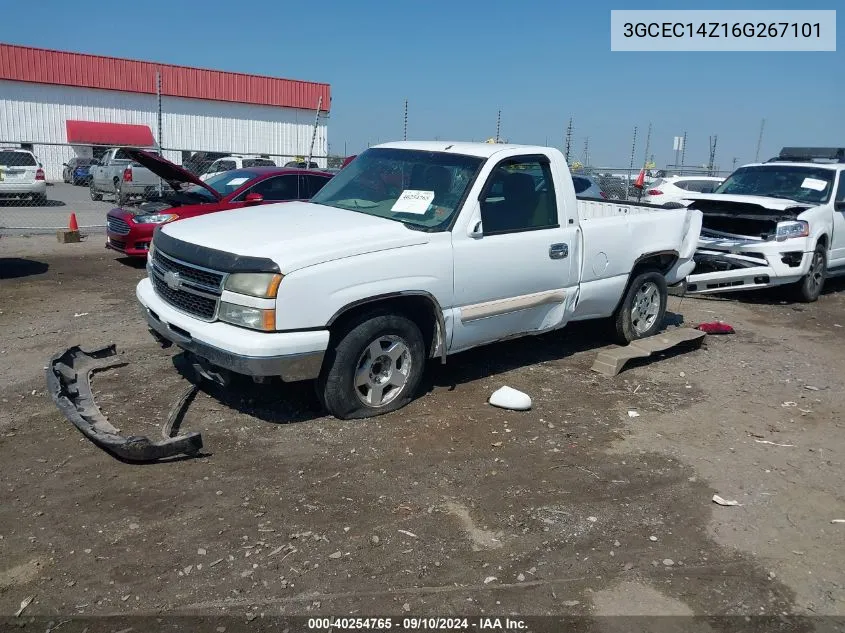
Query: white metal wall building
{"type": "Point", "coordinates": [69, 104]}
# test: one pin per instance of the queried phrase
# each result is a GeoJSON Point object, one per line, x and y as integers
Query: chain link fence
{"type": "Point", "coordinates": [42, 185]}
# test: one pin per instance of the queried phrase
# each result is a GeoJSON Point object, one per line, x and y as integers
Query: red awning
{"type": "Point", "coordinates": [93, 133]}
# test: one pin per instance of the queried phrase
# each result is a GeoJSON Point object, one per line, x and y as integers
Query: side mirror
{"type": "Point", "coordinates": [254, 198]}
{"type": "Point", "coordinates": [476, 230]}
{"type": "Point", "coordinates": [839, 206]}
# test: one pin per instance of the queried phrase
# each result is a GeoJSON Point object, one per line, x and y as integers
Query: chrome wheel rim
{"type": "Point", "coordinates": [646, 307]}
{"type": "Point", "coordinates": [382, 371]}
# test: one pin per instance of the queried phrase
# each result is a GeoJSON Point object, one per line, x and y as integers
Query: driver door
{"type": "Point", "coordinates": [837, 241]}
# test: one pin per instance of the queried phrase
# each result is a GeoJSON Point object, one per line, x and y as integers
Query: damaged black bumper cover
{"type": "Point", "coordinates": [69, 384]}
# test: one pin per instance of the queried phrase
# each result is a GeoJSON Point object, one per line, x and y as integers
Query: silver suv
{"type": "Point", "coordinates": [22, 176]}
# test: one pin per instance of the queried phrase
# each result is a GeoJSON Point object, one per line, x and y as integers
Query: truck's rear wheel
{"type": "Point", "coordinates": [811, 285]}
{"type": "Point", "coordinates": [642, 309]}
{"type": "Point", "coordinates": [375, 367]}
{"type": "Point", "coordinates": [120, 198]}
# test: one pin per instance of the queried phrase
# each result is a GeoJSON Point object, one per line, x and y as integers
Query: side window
{"type": "Point", "coordinates": [840, 190]}
{"type": "Point", "coordinates": [314, 184]}
{"type": "Point", "coordinates": [121, 155]}
{"type": "Point", "coordinates": [278, 188]}
{"type": "Point", "coordinates": [686, 185]}
{"type": "Point", "coordinates": [226, 165]}
{"type": "Point", "coordinates": [519, 196]}
{"type": "Point", "coordinates": [581, 184]}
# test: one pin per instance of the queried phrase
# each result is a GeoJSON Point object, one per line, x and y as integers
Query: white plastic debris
{"type": "Point", "coordinates": [80, 314]}
{"type": "Point", "coordinates": [774, 443]}
{"type": "Point", "coordinates": [724, 502]}
{"type": "Point", "coordinates": [24, 604]}
{"type": "Point", "coordinates": [789, 403]}
{"type": "Point", "coordinates": [633, 414]}
{"type": "Point", "coordinates": [490, 579]}
{"type": "Point", "coordinates": [510, 398]}
{"type": "Point", "coordinates": [407, 533]}
{"type": "Point", "coordinates": [838, 521]}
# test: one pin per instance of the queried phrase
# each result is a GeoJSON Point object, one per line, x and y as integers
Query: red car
{"type": "Point", "coordinates": [129, 231]}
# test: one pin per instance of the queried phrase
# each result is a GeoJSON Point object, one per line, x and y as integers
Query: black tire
{"type": "Point", "coordinates": [94, 194]}
{"type": "Point", "coordinates": [646, 286]}
{"type": "Point", "coordinates": [119, 197]}
{"type": "Point", "coordinates": [351, 351]}
{"type": "Point", "coordinates": [811, 285]}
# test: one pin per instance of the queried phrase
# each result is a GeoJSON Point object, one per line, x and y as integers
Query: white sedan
{"type": "Point", "coordinates": [673, 189]}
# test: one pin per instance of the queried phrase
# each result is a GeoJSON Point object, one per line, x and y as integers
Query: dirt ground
{"type": "Point", "coordinates": [449, 506]}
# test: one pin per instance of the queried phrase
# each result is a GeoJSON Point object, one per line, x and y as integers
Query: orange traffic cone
{"type": "Point", "coordinates": [70, 235]}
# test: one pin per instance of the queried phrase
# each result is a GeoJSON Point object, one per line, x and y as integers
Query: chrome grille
{"type": "Point", "coordinates": [196, 305]}
{"type": "Point", "coordinates": [188, 288]}
{"type": "Point", "coordinates": [205, 279]}
{"type": "Point", "coordinates": [116, 225]}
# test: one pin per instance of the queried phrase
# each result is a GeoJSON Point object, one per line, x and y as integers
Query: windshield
{"type": "Point", "coordinates": [418, 188]}
{"type": "Point", "coordinates": [802, 184]}
{"type": "Point", "coordinates": [224, 183]}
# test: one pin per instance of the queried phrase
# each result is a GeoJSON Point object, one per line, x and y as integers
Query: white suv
{"type": "Point", "coordinates": [673, 189]}
{"type": "Point", "coordinates": [21, 176]}
{"type": "Point", "coordinates": [230, 163]}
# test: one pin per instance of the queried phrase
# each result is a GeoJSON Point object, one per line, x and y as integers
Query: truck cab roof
{"type": "Point", "coordinates": [481, 150]}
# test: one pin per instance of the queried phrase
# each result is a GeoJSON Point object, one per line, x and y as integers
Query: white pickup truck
{"type": "Point", "coordinates": [116, 174]}
{"type": "Point", "coordinates": [779, 223]}
{"type": "Point", "coordinates": [415, 250]}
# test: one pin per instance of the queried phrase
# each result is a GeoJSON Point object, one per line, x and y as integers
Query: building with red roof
{"type": "Point", "coordinates": [62, 104]}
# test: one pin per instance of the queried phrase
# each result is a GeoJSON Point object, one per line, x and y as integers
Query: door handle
{"type": "Point", "coordinates": [558, 251]}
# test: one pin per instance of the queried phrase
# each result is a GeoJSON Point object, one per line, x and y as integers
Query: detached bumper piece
{"type": "Point", "coordinates": [69, 384]}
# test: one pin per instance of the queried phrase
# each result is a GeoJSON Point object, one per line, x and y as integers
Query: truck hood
{"type": "Point", "coordinates": [736, 205]}
{"type": "Point", "coordinates": [294, 234]}
{"type": "Point", "coordinates": [171, 173]}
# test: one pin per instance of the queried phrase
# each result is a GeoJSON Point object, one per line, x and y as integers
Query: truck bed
{"type": "Point", "coordinates": [593, 209]}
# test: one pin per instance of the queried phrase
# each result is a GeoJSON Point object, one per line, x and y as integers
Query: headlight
{"type": "Point", "coordinates": [155, 218]}
{"type": "Point", "coordinates": [787, 230]}
{"type": "Point", "coordinates": [264, 285]}
{"type": "Point", "coordinates": [253, 318]}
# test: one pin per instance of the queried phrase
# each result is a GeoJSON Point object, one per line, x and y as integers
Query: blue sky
{"type": "Point", "coordinates": [459, 62]}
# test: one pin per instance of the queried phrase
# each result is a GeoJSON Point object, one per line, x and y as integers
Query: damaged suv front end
{"type": "Point", "coordinates": [768, 225]}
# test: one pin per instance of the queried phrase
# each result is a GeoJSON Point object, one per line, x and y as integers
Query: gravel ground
{"type": "Point", "coordinates": [448, 506]}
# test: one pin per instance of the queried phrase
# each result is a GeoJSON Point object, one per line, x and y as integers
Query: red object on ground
{"type": "Point", "coordinates": [72, 225]}
{"type": "Point", "coordinates": [640, 179]}
{"type": "Point", "coordinates": [92, 132]}
{"type": "Point", "coordinates": [132, 238]}
{"type": "Point", "coordinates": [715, 327]}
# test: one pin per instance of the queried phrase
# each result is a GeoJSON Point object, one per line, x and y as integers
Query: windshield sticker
{"type": "Point", "coordinates": [814, 183]}
{"type": "Point", "coordinates": [413, 201]}
{"type": "Point", "coordinates": [236, 181]}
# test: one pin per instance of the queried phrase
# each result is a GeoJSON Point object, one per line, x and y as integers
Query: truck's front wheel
{"type": "Point", "coordinates": [374, 367]}
{"type": "Point", "coordinates": [642, 309]}
{"type": "Point", "coordinates": [811, 285]}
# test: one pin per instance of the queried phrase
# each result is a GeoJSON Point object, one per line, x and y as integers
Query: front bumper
{"type": "Point", "coordinates": [69, 385]}
{"type": "Point", "coordinates": [293, 356]}
{"type": "Point", "coordinates": [750, 268]}
{"type": "Point", "coordinates": [136, 243]}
